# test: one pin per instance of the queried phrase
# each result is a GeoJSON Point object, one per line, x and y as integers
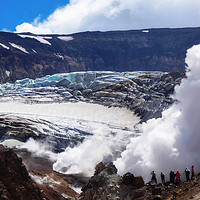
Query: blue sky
{"type": "Point", "coordinates": [15, 12]}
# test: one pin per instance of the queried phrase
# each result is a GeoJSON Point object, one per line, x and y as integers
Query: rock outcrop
{"type": "Point", "coordinates": [15, 183]}
{"type": "Point", "coordinates": [107, 184]}
{"type": "Point", "coordinates": [28, 55]}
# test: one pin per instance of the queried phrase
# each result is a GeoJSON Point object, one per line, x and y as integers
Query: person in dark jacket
{"type": "Point", "coordinates": [171, 177]}
{"type": "Point", "coordinates": [162, 176]}
{"type": "Point", "coordinates": [153, 178]}
{"type": "Point", "coordinates": [192, 171]}
{"type": "Point", "coordinates": [187, 174]}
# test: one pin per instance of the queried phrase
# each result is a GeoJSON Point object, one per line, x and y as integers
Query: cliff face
{"type": "Point", "coordinates": [28, 55]}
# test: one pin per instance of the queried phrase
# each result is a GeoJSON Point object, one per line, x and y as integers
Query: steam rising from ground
{"type": "Point", "coordinates": [168, 143]}
{"type": "Point", "coordinates": [84, 158]}
{"type": "Point", "coordinates": [171, 142]}
{"type": "Point", "coordinates": [41, 149]}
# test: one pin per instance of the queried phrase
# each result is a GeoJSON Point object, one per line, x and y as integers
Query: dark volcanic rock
{"type": "Point", "coordinates": [128, 178]}
{"type": "Point", "coordinates": [157, 50]}
{"type": "Point", "coordinates": [115, 188]}
{"type": "Point", "coordinates": [15, 182]}
{"type": "Point", "coordinates": [107, 184]}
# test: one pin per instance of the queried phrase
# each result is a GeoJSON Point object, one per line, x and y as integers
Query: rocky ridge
{"type": "Point", "coordinates": [106, 184]}
{"type": "Point", "coordinates": [26, 55]}
{"type": "Point", "coordinates": [43, 183]}
{"type": "Point", "coordinates": [15, 183]}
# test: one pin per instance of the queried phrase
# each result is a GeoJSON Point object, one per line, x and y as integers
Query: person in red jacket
{"type": "Point", "coordinates": [178, 178]}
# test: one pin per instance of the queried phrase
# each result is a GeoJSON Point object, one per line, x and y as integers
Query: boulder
{"type": "Point", "coordinates": [128, 179]}
{"type": "Point", "coordinates": [138, 181]}
{"type": "Point", "coordinates": [108, 168]}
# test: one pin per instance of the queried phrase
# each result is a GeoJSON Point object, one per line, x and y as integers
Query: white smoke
{"type": "Point", "coordinates": [39, 148]}
{"type": "Point", "coordinates": [103, 145]}
{"type": "Point", "coordinates": [91, 15]}
{"type": "Point", "coordinates": [171, 142]}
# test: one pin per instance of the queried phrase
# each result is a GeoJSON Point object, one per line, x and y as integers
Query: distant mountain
{"type": "Point", "coordinates": [28, 55]}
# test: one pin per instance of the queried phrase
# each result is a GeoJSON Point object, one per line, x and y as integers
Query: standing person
{"type": "Point", "coordinates": [153, 178]}
{"type": "Point", "coordinates": [162, 176]}
{"type": "Point", "coordinates": [171, 177]}
{"type": "Point", "coordinates": [178, 178]}
{"type": "Point", "coordinates": [187, 174]}
{"type": "Point", "coordinates": [192, 170]}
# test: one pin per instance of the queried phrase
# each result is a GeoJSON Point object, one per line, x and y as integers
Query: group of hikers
{"type": "Point", "coordinates": [174, 177]}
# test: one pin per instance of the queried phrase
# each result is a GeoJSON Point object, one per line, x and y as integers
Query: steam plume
{"type": "Point", "coordinates": [171, 142]}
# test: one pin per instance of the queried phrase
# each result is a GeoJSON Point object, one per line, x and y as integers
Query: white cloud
{"type": "Point", "coordinates": [6, 30]}
{"type": "Point", "coordinates": [84, 15]}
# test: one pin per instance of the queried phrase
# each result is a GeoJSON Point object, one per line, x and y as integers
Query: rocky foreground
{"type": "Point", "coordinates": [42, 183]}
{"type": "Point", "coordinates": [106, 184]}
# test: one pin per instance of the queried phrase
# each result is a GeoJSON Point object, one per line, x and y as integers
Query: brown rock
{"type": "Point", "coordinates": [15, 182]}
{"type": "Point", "coordinates": [138, 181]}
{"type": "Point", "coordinates": [128, 179]}
{"type": "Point", "coordinates": [157, 197]}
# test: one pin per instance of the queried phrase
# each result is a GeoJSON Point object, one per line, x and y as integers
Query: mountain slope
{"type": "Point", "coordinates": [14, 179]}
{"type": "Point", "coordinates": [27, 55]}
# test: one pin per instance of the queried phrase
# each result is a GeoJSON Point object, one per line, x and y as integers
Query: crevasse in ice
{"type": "Point", "coordinates": [65, 79]}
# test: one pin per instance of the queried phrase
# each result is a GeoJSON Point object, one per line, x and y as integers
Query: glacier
{"type": "Point", "coordinates": [147, 94]}
{"type": "Point", "coordinates": [90, 116]}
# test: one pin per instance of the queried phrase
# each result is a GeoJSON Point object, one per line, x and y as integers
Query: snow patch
{"type": "Point", "coordinates": [46, 179]}
{"type": "Point", "coordinates": [76, 189]}
{"type": "Point", "coordinates": [41, 39]}
{"type": "Point", "coordinates": [10, 143]}
{"type": "Point", "coordinates": [4, 46]}
{"type": "Point", "coordinates": [34, 51]}
{"type": "Point", "coordinates": [65, 38]}
{"type": "Point", "coordinates": [7, 73]}
{"type": "Point", "coordinates": [145, 31]}
{"type": "Point", "coordinates": [59, 55]}
{"type": "Point", "coordinates": [19, 47]}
